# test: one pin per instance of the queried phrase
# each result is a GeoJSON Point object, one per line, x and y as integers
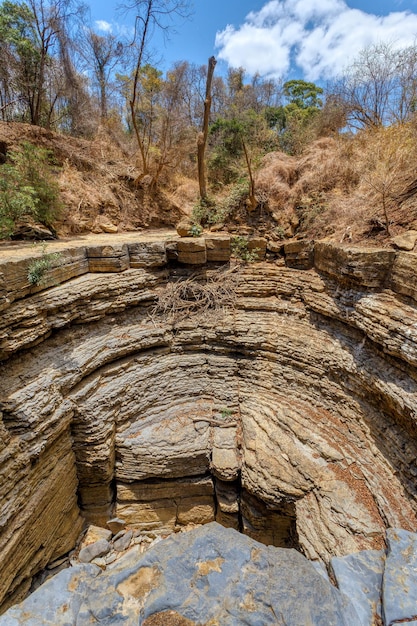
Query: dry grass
{"type": "Point", "coordinates": [355, 188]}
{"type": "Point", "coordinates": [205, 296]}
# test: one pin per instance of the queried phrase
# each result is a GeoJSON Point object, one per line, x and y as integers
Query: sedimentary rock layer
{"type": "Point", "coordinates": [289, 414]}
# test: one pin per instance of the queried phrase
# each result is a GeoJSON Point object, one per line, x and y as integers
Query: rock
{"type": "Point", "coordinates": [400, 577]}
{"type": "Point", "coordinates": [299, 254]}
{"type": "Point", "coordinates": [359, 577]}
{"type": "Point", "coordinates": [31, 230]}
{"type": "Point", "coordinates": [108, 258]}
{"type": "Point", "coordinates": [403, 278]}
{"type": "Point", "coordinates": [103, 224]}
{"type": "Point", "coordinates": [116, 524]}
{"type": "Point", "coordinates": [405, 241]}
{"type": "Point", "coordinates": [123, 542]}
{"type": "Point", "coordinates": [218, 248]}
{"type": "Point", "coordinates": [93, 534]}
{"type": "Point", "coordinates": [147, 254]}
{"type": "Point", "coordinates": [184, 226]}
{"type": "Point", "coordinates": [192, 251]}
{"type": "Point", "coordinates": [109, 411]}
{"type": "Point", "coordinates": [358, 266]}
{"type": "Point", "coordinates": [226, 578]}
{"type": "Point", "coordinates": [57, 600]}
{"type": "Point", "coordinates": [94, 550]}
{"type": "Point", "coordinates": [108, 227]}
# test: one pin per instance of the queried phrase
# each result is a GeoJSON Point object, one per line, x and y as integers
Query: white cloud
{"type": "Point", "coordinates": [320, 37]}
{"type": "Point", "coordinates": [104, 26]}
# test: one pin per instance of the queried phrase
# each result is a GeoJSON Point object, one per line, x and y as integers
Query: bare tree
{"type": "Point", "coordinates": [202, 136]}
{"type": "Point", "coordinates": [101, 54]}
{"type": "Point", "coordinates": [379, 87]}
{"type": "Point", "coordinates": [150, 16]}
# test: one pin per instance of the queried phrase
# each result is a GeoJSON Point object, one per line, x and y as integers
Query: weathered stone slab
{"type": "Point", "coordinates": [108, 258]}
{"type": "Point", "coordinates": [404, 274]}
{"type": "Point", "coordinates": [166, 505]}
{"type": "Point", "coordinates": [405, 241]}
{"type": "Point", "coordinates": [147, 254]}
{"type": "Point", "coordinates": [359, 577]}
{"type": "Point", "coordinates": [192, 251]}
{"type": "Point", "coordinates": [218, 248]}
{"type": "Point", "coordinates": [400, 577]}
{"type": "Point", "coordinates": [299, 254]}
{"type": "Point", "coordinates": [368, 267]}
{"type": "Point", "coordinates": [67, 264]}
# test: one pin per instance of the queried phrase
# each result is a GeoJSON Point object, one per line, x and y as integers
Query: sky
{"type": "Point", "coordinates": [309, 39]}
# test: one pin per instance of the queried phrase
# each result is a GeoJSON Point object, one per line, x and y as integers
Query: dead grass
{"type": "Point", "coordinates": [352, 188]}
{"type": "Point", "coordinates": [205, 296]}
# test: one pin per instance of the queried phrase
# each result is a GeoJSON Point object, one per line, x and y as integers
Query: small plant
{"type": "Point", "coordinates": [38, 268]}
{"type": "Point", "coordinates": [226, 412]}
{"type": "Point", "coordinates": [195, 230]}
{"type": "Point", "coordinates": [280, 232]}
{"type": "Point", "coordinates": [240, 249]}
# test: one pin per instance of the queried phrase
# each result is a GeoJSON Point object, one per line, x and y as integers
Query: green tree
{"type": "Point", "coordinates": [295, 121]}
{"type": "Point", "coordinates": [28, 188]}
{"type": "Point", "coordinates": [20, 58]}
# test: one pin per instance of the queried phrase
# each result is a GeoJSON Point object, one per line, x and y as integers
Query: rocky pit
{"type": "Point", "coordinates": [288, 413]}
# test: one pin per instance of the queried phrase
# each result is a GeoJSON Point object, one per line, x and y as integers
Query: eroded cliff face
{"type": "Point", "coordinates": [289, 415]}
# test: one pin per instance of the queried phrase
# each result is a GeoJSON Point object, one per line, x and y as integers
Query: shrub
{"type": "Point", "coordinates": [16, 200]}
{"type": "Point", "coordinates": [240, 249]}
{"type": "Point", "coordinates": [38, 268]}
{"type": "Point", "coordinates": [28, 189]}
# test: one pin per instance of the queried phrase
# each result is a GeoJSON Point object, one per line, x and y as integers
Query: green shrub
{"type": "Point", "coordinates": [240, 249]}
{"type": "Point", "coordinates": [38, 268]}
{"type": "Point", "coordinates": [195, 230]}
{"type": "Point", "coordinates": [28, 189]}
{"type": "Point", "coordinates": [17, 200]}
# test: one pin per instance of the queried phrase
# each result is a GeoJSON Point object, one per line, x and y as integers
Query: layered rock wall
{"type": "Point", "coordinates": [289, 414]}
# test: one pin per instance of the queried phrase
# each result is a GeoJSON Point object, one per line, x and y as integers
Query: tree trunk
{"type": "Point", "coordinates": [202, 136]}
{"type": "Point", "coordinates": [252, 199]}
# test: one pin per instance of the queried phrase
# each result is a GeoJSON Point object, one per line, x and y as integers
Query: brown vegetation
{"type": "Point", "coordinates": [347, 187]}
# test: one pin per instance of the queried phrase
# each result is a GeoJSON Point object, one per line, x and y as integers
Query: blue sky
{"type": "Point", "coordinates": [311, 39]}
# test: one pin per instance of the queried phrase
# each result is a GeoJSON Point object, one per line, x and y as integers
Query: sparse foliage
{"type": "Point", "coordinates": [38, 269]}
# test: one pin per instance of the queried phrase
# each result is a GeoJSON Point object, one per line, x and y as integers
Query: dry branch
{"type": "Point", "coordinates": [201, 295]}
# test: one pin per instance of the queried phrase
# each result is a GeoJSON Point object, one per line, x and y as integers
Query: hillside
{"type": "Point", "coordinates": [347, 188]}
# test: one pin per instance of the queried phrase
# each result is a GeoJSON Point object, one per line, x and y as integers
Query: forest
{"type": "Point", "coordinates": [287, 156]}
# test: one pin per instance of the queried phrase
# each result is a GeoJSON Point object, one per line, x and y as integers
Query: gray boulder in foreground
{"type": "Point", "coordinates": [400, 578]}
{"type": "Point", "coordinates": [359, 577]}
{"type": "Point", "coordinates": [210, 574]}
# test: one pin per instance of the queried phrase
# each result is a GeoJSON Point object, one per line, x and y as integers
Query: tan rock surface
{"type": "Point", "coordinates": [291, 416]}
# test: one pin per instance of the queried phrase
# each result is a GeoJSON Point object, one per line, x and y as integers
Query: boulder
{"type": "Point", "coordinates": [400, 578]}
{"type": "Point", "coordinates": [208, 575]}
{"type": "Point", "coordinates": [405, 241]}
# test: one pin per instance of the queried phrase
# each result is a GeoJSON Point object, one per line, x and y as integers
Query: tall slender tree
{"type": "Point", "coordinates": [150, 16]}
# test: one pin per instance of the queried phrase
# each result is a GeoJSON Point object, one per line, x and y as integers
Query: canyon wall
{"type": "Point", "coordinates": [288, 411]}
